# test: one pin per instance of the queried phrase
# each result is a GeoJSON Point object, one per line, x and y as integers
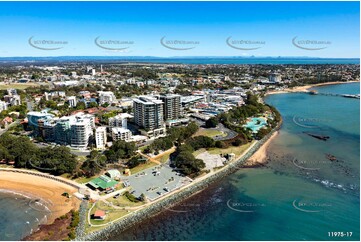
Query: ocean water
{"type": "Point", "coordinates": [19, 216]}
{"type": "Point", "coordinates": [189, 60]}
{"type": "Point", "coordinates": [251, 60]}
{"type": "Point", "coordinates": [299, 195]}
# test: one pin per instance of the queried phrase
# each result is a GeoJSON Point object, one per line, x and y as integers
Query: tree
{"type": "Point", "coordinates": [105, 105]}
{"type": "Point", "coordinates": [237, 142]}
{"type": "Point", "coordinates": [93, 105]}
{"type": "Point", "coordinates": [220, 144]}
{"type": "Point", "coordinates": [188, 164]}
{"type": "Point", "coordinates": [80, 106]}
{"type": "Point", "coordinates": [120, 150]}
{"type": "Point", "coordinates": [212, 122]}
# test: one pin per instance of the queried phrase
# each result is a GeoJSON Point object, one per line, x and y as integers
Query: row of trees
{"type": "Point", "coordinates": [175, 135]}
{"type": "Point", "coordinates": [57, 160]}
{"type": "Point", "coordinates": [120, 150]}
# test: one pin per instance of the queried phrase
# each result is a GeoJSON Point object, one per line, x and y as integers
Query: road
{"type": "Point", "coordinates": [230, 133]}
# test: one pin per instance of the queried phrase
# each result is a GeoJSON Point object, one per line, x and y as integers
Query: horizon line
{"type": "Point", "coordinates": [175, 57]}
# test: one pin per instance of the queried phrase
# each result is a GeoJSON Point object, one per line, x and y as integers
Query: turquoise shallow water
{"type": "Point", "coordinates": [299, 195]}
{"type": "Point", "coordinates": [20, 215]}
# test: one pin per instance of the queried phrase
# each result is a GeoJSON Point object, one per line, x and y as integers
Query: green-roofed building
{"type": "Point", "coordinates": [102, 183]}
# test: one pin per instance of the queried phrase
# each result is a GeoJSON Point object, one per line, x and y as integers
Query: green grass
{"type": "Point", "coordinates": [232, 149]}
{"type": "Point", "coordinates": [210, 133]}
{"type": "Point", "coordinates": [111, 215]}
{"type": "Point", "coordinates": [83, 179]}
{"type": "Point", "coordinates": [17, 86]}
{"type": "Point", "coordinates": [123, 201]}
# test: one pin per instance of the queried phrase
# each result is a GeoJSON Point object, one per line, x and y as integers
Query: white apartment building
{"type": "Point", "coordinates": [121, 134]}
{"type": "Point", "coordinates": [101, 137]}
{"type": "Point", "coordinates": [106, 97]}
{"type": "Point", "coordinates": [121, 120]}
{"type": "Point", "coordinates": [81, 132]}
{"type": "Point", "coordinates": [72, 101]}
{"type": "Point", "coordinates": [3, 106]}
{"type": "Point", "coordinates": [274, 77]}
{"type": "Point", "coordinates": [13, 100]}
{"type": "Point", "coordinates": [12, 91]}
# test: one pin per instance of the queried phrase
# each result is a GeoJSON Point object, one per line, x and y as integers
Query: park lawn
{"type": "Point", "coordinates": [237, 150]}
{"type": "Point", "coordinates": [111, 215]}
{"type": "Point", "coordinates": [66, 175]}
{"type": "Point", "coordinates": [18, 86]}
{"type": "Point", "coordinates": [84, 179]}
{"type": "Point", "coordinates": [142, 167]}
{"type": "Point", "coordinates": [123, 201]}
{"type": "Point", "coordinates": [210, 133]}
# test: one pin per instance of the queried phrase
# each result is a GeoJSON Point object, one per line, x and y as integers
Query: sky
{"type": "Point", "coordinates": [167, 29]}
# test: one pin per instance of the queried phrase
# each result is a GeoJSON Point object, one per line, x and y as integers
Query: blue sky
{"type": "Point", "coordinates": [204, 25]}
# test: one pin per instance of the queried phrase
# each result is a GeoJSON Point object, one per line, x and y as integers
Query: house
{"type": "Point", "coordinates": [99, 215]}
{"type": "Point", "coordinates": [6, 121]}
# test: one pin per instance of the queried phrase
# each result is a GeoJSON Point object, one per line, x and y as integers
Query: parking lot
{"type": "Point", "coordinates": [156, 181]}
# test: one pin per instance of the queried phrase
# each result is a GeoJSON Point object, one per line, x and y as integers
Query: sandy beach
{"type": "Point", "coordinates": [43, 190]}
{"type": "Point", "coordinates": [260, 156]}
{"type": "Point", "coordinates": [306, 87]}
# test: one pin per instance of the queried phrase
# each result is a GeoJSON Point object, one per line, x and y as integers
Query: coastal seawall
{"type": "Point", "coordinates": [139, 215]}
{"type": "Point", "coordinates": [58, 179]}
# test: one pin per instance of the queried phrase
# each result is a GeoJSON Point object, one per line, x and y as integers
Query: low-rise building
{"type": "Point", "coordinates": [3, 106]}
{"type": "Point", "coordinates": [121, 134]}
{"type": "Point", "coordinates": [106, 97]}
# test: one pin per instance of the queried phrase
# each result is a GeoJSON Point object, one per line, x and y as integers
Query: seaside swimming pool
{"type": "Point", "coordinates": [256, 124]}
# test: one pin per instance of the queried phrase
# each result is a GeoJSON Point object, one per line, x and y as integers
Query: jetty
{"type": "Point", "coordinates": [314, 92]}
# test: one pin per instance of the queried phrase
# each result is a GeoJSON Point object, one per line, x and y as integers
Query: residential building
{"type": "Point", "coordinates": [3, 106]}
{"type": "Point", "coordinates": [148, 112]}
{"type": "Point", "coordinates": [106, 97]}
{"type": "Point", "coordinates": [63, 129]}
{"type": "Point", "coordinates": [100, 137]}
{"type": "Point", "coordinates": [12, 91]}
{"type": "Point", "coordinates": [172, 106]}
{"type": "Point", "coordinates": [13, 100]}
{"type": "Point", "coordinates": [121, 120]}
{"type": "Point", "coordinates": [274, 78]}
{"type": "Point", "coordinates": [121, 134]}
{"type": "Point", "coordinates": [72, 101]}
{"type": "Point", "coordinates": [81, 132]}
{"type": "Point", "coordinates": [34, 117]}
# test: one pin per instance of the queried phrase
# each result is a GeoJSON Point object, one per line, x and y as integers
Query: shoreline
{"type": "Point", "coordinates": [306, 87]}
{"type": "Point", "coordinates": [41, 190]}
{"type": "Point", "coordinates": [176, 196]}
{"type": "Point", "coordinates": [259, 158]}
